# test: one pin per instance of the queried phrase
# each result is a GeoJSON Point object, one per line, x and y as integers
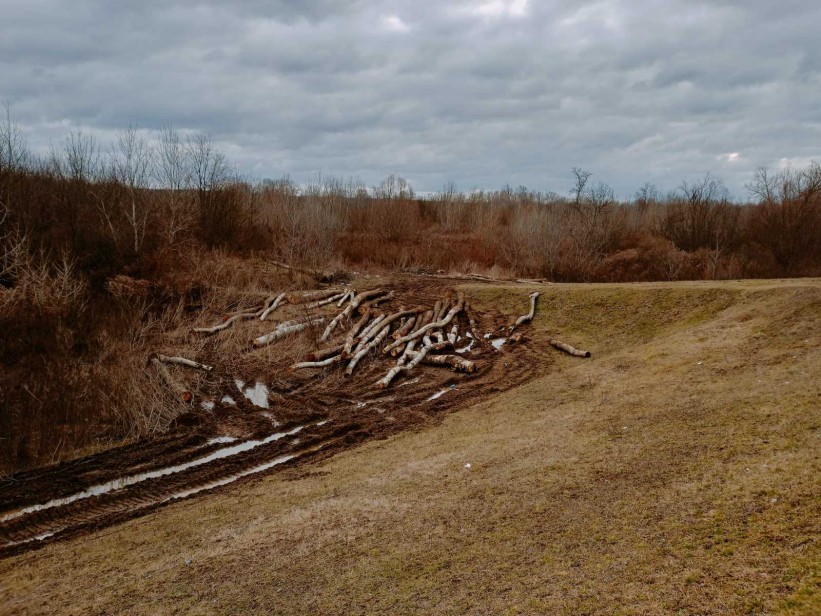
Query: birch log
{"type": "Point", "coordinates": [459, 364]}
{"type": "Point", "coordinates": [325, 301]}
{"type": "Point", "coordinates": [570, 350]}
{"type": "Point", "coordinates": [284, 330]}
{"type": "Point", "coordinates": [526, 318]}
{"type": "Point", "coordinates": [182, 361]}
{"type": "Point", "coordinates": [380, 337]}
{"type": "Point", "coordinates": [273, 306]}
{"type": "Point", "coordinates": [317, 364]}
{"type": "Point", "coordinates": [225, 325]}
{"type": "Point", "coordinates": [404, 329]}
{"type": "Point", "coordinates": [346, 348]}
{"type": "Point", "coordinates": [353, 305]}
{"type": "Point", "coordinates": [430, 326]}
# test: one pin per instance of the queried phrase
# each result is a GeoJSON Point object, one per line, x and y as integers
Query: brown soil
{"type": "Point", "coordinates": [335, 412]}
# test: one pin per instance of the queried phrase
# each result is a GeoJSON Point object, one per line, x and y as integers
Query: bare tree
{"type": "Point", "coordinates": [132, 161]}
{"type": "Point", "coordinates": [172, 173]}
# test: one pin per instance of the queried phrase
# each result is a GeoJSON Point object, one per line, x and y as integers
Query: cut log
{"type": "Point", "coordinates": [321, 354]}
{"type": "Point", "coordinates": [303, 297]}
{"type": "Point", "coordinates": [404, 329]}
{"type": "Point", "coordinates": [317, 364]}
{"type": "Point", "coordinates": [272, 306]}
{"type": "Point", "coordinates": [353, 305]}
{"type": "Point", "coordinates": [459, 364]}
{"type": "Point", "coordinates": [454, 334]}
{"type": "Point", "coordinates": [526, 318]}
{"type": "Point", "coordinates": [349, 341]}
{"type": "Point", "coordinates": [285, 329]}
{"type": "Point", "coordinates": [380, 337]}
{"type": "Point", "coordinates": [178, 388]}
{"type": "Point", "coordinates": [570, 350]}
{"type": "Point", "coordinates": [325, 301]}
{"type": "Point", "coordinates": [346, 297]}
{"type": "Point", "coordinates": [417, 359]}
{"type": "Point", "coordinates": [430, 326]}
{"type": "Point", "coordinates": [225, 325]}
{"type": "Point", "coordinates": [182, 361]}
{"type": "Point", "coordinates": [376, 301]}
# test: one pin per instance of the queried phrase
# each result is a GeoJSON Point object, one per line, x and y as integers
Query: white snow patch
{"type": "Point", "coordinates": [498, 343]}
{"type": "Point", "coordinates": [228, 400]}
{"type": "Point", "coordinates": [208, 405]}
{"type": "Point", "coordinates": [258, 394]}
{"type": "Point", "coordinates": [118, 484]}
{"type": "Point", "coordinates": [219, 440]}
{"type": "Point", "coordinates": [438, 394]}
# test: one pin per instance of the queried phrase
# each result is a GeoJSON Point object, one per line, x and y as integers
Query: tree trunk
{"type": "Point", "coordinates": [570, 350]}
{"type": "Point", "coordinates": [182, 361]}
{"type": "Point", "coordinates": [285, 329]}
{"type": "Point", "coordinates": [526, 318]}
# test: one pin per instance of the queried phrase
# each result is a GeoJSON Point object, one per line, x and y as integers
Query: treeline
{"type": "Point", "coordinates": [103, 248]}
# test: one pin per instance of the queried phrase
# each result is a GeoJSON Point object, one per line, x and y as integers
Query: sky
{"type": "Point", "coordinates": [481, 93]}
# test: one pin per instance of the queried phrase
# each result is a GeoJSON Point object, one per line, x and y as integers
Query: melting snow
{"type": "Point", "coordinates": [497, 344]}
{"type": "Point", "coordinates": [118, 484]}
{"type": "Point", "coordinates": [438, 394]}
{"type": "Point", "coordinates": [218, 440]}
{"type": "Point", "coordinates": [208, 405]}
{"type": "Point", "coordinates": [228, 400]}
{"type": "Point", "coordinates": [258, 394]}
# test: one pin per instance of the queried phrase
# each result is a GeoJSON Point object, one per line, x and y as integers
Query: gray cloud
{"type": "Point", "coordinates": [481, 92]}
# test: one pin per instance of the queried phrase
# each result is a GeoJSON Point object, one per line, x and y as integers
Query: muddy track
{"type": "Point", "coordinates": [313, 415]}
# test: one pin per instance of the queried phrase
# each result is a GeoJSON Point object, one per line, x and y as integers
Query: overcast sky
{"type": "Point", "coordinates": [482, 92]}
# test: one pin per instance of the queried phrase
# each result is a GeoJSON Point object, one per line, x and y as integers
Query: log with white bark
{"type": "Point", "coordinates": [182, 361]}
{"type": "Point", "coordinates": [570, 350]}
{"type": "Point", "coordinates": [406, 353]}
{"type": "Point", "coordinates": [423, 320]}
{"type": "Point", "coordinates": [349, 340]}
{"type": "Point", "coordinates": [317, 364]}
{"type": "Point", "coordinates": [430, 326]}
{"type": "Point", "coordinates": [272, 306]}
{"type": "Point", "coordinates": [453, 335]}
{"type": "Point", "coordinates": [353, 305]}
{"type": "Point", "coordinates": [285, 329]}
{"type": "Point", "coordinates": [526, 318]}
{"type": "Point", "coordinates": [346, 297]}
{"type": "Point", "coordinates": [224, 325]}
{"type": "Point", "coordinates": [378, 339]}
{"type": "Point", "coordinates": [178, 388]}
{"type": "Point", "coordinates": [404, 329]}
{"type": "Point", "coordinates": [321, 354]}
{"type": "Point", "coordinates": [304, 297]}
{"type": "Point", "coordinates": [375, 302]}
{"type": "Point", "coordinates": [417, 359]}
{"type": "Point", "coordinates": [325, 301]}
{"type": "Point", "coordinates": [459, 364]}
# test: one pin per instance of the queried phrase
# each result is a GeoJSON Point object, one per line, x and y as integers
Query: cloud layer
{"type": "Point", "coordinates": [481, 92]}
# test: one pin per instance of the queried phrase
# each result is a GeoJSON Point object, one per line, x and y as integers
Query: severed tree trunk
{"type": "Point", "coordinates": [353, 305]}
{"type": "Point", "coordinates": [321, 354]}
{"type": "Point", "coordinates": [303, 297]}
{"type": "Point", "coordinates": [430, 326]}
{"type": "Point", "coordinates": [272, 306]}
{"type": "Point", "coordinates": [182, 361]}
{"type": "Point", "coordinates": [285, 329]}
{"type": "Point", "coordinates": [317, 364]}
{"type": "Point", "coordinates": [225, 325]}
{"type": "Point", "coordinates": [404, 329]}
{"type": "Point", "coordinates": [526, 318]}
{"type": "Point", "coordinates": [323, 302]}
{"type": "Point", "coordinates": [346, 297]}
{"type": "Point", "coordinates": [459, 364]}
{"type": "Point", "coordinates": [375, 302]}
{"type": "Point", "coordinates": [349, 340]}
{"type": "Point", "coordinates": [570, 350]}
{"type": "Point", "coordinates": [380, 337]}
{"type": "Point", "coordinates": [178, 388]}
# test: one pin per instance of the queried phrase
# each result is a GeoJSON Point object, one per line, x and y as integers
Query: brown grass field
{"type": "Point", "coordinates": [675, 472]}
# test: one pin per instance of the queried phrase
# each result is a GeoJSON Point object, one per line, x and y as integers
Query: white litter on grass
{"type": "Point", "coordinates": [228, 400]}
{"type": "Point", "coordinates": [118, 484]}
{"type": "Point", "coordinates": [208, 405]}
{"type": "Point", "coordinates": [498, 343]}
{"type": "Point", "coordinates": [258, 394]}
{"type": "Point", "coordinates": [219, 440]}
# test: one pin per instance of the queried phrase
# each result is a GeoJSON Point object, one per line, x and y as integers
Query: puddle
{"type": "Point", "coordinates": [497, 344]}
{"type": "Point", "coordinates": [118, 484]}
{"type": "Point", "coordinates": [438, 394]}
{"type": "Point", "coordinates": [323, 422]}
{"type": "Point", "coordinates": [30, 539]}
{"type": "Point", "coordinates": [258, 394]}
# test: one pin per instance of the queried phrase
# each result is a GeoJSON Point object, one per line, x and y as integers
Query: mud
{"type": "Point", "coordinates": [279, 420]}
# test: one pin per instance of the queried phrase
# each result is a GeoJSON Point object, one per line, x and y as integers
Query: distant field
{"type": "Point", "coordinates": [677, 471]}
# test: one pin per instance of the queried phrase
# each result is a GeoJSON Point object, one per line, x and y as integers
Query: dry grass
{"type": "Point", "coordinates": [676, 472]}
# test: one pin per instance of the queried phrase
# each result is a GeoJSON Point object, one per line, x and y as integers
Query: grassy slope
{"type": "Point", "coordinates": [676, 472]}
